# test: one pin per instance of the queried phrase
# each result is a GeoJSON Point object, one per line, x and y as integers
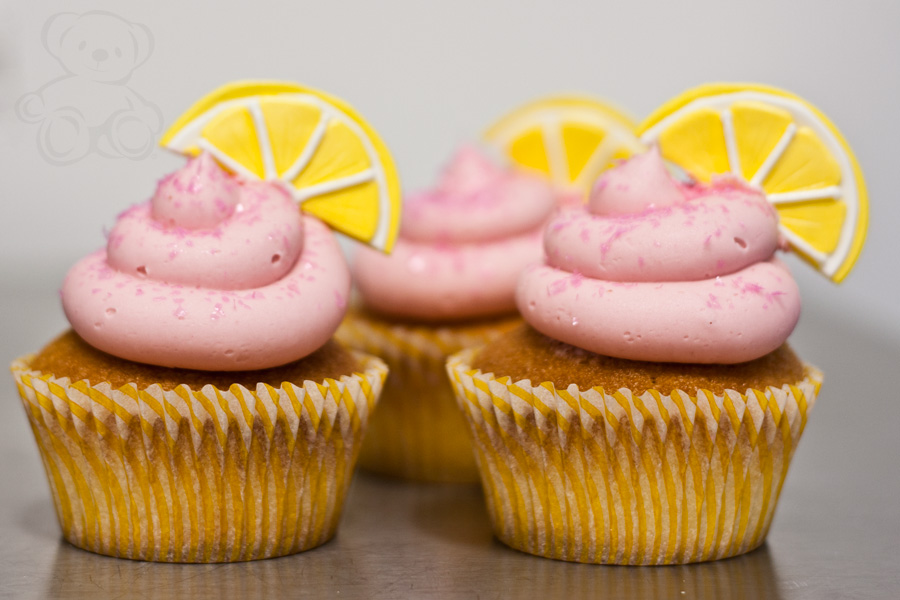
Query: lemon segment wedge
{"type": "Point", "coordinates": [320, 148]}
{"type": "Point", "coordinates": [570, 139]}
{"type": "Point", "coordinates": [781, 144]}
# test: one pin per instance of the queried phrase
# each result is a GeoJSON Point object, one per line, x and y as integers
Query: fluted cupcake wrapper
{"type": "Point", "coordinates": [617, 478]}
{"type": "Point", "coordinates": [417, 432]}
{"type": "Point", "coordinates": [204, 475]}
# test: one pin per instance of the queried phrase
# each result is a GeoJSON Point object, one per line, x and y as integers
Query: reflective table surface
{"type": "Point", "coordinates": [836, 532]}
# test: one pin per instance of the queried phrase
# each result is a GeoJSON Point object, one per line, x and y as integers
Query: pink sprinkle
{"type": "Point", "coordinates": [217, 313]}
{"type": "Point", "coordinates": [557, 226]}
{"type": "Point", "coordinates": [713, 302]}
{"type": "Point", "coordinates": [753, 287]}
{"type": "Point", "coordinates": [339, 300]}
{"type": "Point", "coordinates": [557, 287]}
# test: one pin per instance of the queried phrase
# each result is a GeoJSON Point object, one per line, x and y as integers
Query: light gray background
{"type": "Point", "coordinates": [430, 76]}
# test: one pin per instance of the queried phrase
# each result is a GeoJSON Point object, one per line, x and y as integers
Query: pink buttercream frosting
{"type": "Point", "coordinates": [462, 244]}
{"type": "Point", "coordinates": [655, 270]}
{"type": "Point", "coordinates": [213, 273]}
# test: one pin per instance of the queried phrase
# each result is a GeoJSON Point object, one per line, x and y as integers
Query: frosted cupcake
{"type": "Point", "coordinates": [199, 410]}
{"type": "Point", "coordinates": [448, 285]}
{"type": "Point", "coordinates": [648, 411]}
{"type": "Point", "coordinates": [610, 428]}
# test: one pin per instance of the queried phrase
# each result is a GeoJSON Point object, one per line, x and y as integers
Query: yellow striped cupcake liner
{"type": "Point", "coordinates": [204, 475]}
{"type": "Point", "coordinates": [417, 433]}
{"type": "Point", "coordinates": [594, 477]}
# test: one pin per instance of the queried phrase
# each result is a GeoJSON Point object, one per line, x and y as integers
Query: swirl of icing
{"type": "Point", "coordinates": [214, 273]}
{"type": "Point", "coordinates": [203, 228]}
{"type": "Point", "coordinates": [476, 201]}
{"type": "Point", "coordinates": [655, 270]}
{"type": "Point", "coordinates": [462, 245]}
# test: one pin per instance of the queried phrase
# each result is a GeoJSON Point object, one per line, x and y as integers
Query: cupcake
{"type": "Point", "coordinates": [648, 410]}
{"type": "Point", "coordinates": [448, 285]}
{"type": "Point", "coordinates": [199, 409]}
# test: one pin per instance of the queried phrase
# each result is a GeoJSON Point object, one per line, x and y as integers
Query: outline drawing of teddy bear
{"type": "Point", "coordinates": [90, 108]}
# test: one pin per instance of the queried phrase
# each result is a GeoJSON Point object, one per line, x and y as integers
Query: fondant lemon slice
{"type": "Point", "coordinates": [334, 163]}
{"type": "Point", "coordinates": [781, 144]}
{"type": "Point", "coordinates": [569, 138]}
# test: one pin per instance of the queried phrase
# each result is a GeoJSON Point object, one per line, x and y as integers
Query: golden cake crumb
{"type": "Point", "coordinates": [525, 353]}
{"type": "Point", "coordinates": [72, 357]}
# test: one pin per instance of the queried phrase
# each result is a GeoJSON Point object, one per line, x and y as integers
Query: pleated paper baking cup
{"type": "Point", "coordinates": [616, 478]}
{"type": "Point", "coordinates": [417, 433]}
{"type": "Point", "coordinates": [204, 475]}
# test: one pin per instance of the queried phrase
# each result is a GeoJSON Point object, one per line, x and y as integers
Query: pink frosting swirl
{"type": "Point", "coordinates": [213, 273]}
{"type": "Point", "coordinates": [462, 244]}
{"type": "Point", "coordinates": [659, 271]}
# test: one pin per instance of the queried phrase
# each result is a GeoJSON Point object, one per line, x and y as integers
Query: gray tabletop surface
{"type": "Point", "coordinates": [836, 532]}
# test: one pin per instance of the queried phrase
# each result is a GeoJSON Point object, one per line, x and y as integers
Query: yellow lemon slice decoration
{"type": "Point", "coordinates": [569, 138]}
{"type": "Point", "coordinates": [334, 163]}
{"type": "Point", "coordinates": [779, 143]}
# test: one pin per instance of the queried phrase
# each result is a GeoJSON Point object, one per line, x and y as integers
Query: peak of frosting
{"type": "Point", "coordinates": [476, 200]}
{"type": "Point", "coordinates": [638, 184]}
{"type": "Point", "coordinates": [200, 195]}
{"type": "Point", "coordinates": [469, 171]}
{"type": "Point", "coordinates": [245, 248]}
